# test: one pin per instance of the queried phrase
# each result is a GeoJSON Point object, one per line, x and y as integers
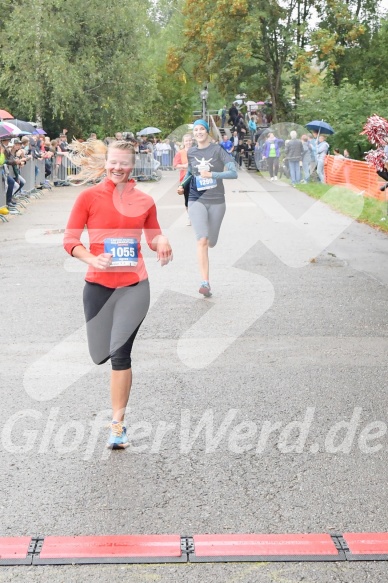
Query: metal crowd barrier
{"type": "Point", "coordinates": [146, 168]}
{"type": "Point", "coordinates": [61, 169]}
{"type": "Point", "coordinates": [165, 158]}
{"type": "Point", "coordinates": [40, 174]}
{"type": "Point", "coordinates": [28, 173]}
{"type": "Point", "coordinates": [33, 173]}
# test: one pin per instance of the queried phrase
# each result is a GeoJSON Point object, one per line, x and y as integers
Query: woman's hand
{"type": "Point", "coordinates": [206, 174]}
{"type": "Point", "coordinates": [101, 261]}
{"type": "Point", "coordinates": [163, 250]}
{"type": "Point", "coordinates": [180, 190]}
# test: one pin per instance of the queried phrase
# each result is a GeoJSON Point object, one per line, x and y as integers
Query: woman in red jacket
{"type": "Point", "coordinates": [116, 294]}
{"type": "Point", "coordinates": [180, 161]}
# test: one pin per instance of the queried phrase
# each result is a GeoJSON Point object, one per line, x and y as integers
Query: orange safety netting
{"type": "Point", "coordinates": [355, 173]}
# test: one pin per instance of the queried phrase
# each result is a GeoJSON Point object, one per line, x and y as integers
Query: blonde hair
{"type": "Point", "coordinates": [91, 156]}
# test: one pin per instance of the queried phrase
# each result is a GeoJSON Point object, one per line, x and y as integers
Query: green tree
{"type": "Point", "coordinates": [343, 25]}
{"type": "Point", "coordinates": [346, 108]}
{"type": "Point", "coordinates": [77, 64]}
{"type": "Point", "coordinates": [245, 44]}
{"type": "Point", "coordinates": [173, 100]}
{"type": "Point", "coordinates": [369, 60]}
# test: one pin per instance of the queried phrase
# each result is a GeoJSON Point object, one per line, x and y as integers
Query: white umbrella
{"type": "Point", "coordinates": [148, 131]}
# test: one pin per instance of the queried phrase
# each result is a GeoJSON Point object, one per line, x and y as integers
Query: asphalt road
{"type": "Point", "coordinates": [261, 410]}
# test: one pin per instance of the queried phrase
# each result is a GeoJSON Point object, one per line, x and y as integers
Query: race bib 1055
{"type": "Point", "coordinates": [124, 251]}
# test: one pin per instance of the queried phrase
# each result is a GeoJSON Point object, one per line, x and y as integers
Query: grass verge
{"type": "Point", "coordinates": [363, 209]}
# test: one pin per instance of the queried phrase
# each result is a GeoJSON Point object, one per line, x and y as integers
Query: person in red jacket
{"type": "Point", "coordinates": [180, 161]}
{"type": "Point", "coordinates": [116, 294]}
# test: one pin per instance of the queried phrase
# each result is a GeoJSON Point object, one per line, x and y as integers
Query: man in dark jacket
{"type": "Point", "coordinates": [241, 127]}
{"type": "Point", "coordinates": [233, 113]}
{"type": "Point", "coordinates": [294, 153]}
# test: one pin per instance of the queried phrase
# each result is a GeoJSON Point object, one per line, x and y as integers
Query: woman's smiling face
{"type": "Point", "coordinates": [119, 165]}
{"type": "Point", "coordinates": [187, 142]}
{"type": "Point", "coordinates": [200, 133]}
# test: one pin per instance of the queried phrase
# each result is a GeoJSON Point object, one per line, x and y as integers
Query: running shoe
{"type": "Point", "coordinates": [205, 289]}
{"type": "Point", "coordinates": [118, 436]}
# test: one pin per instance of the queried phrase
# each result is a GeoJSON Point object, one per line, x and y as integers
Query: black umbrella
{"type": "Point", "coordinates": [24, 125]}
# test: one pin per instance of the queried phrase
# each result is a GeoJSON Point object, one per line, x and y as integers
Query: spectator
{"type": "Point", "coordinates": [241, 127]}
{"type": "Point", "coordinates": [313, 142]}
{"type": "Point", "coordinates": [21, 151]}
{"type": "Point", "coordinates": [258, 154]}
{"type": "Point", "coordinates": [223, 116]}
{"type": "Point", "coordinates": [234, 140]}
{"type": "Point", "coordinates": [64, 136]}
{"type": "Point", "coordinates": [119, 136]}
{"type": "Point", "coordinates": [145, 150]}
{"type": "Point", "coordinates": [294, 153]}
{"type": "Point", "coordinates": [271, 153]}
{"type": "Point", "coordinates": [145, 145]}
{"type": "Point", "coordinates": [26, 145]}
{"type": "Point", "coordinates": [233, 114]}
{"type": "Point", "coordinates": [12, 186]}
{"type": "Point", "coordinates": [258, 134]}
{"type": "Point", "coordinates": [226, 144]}
{"type": "Point", "coordinates": [346, 154]}
{"type": "Point", "coordinates": [173, 151]}
{"type": "Point", "coordinates": [306, 158]}
{"type": "Point", "coordinates": [249, 152]}
{"type": "Point", "coordinates": [18, 155]}
{"type": "Point", "coordinates": [62, 143]}
{"type": "Point", "coordinates": [92, 136]}
{"type": "Point", "coordinates": [181, 161]}
{"type": "Point", "coordinates": [159, 151]}
{"type": "Point", "coordinates": [48, 155]}
{"type": "Point", "coordinates": [166, 153]}
{"type": "Point", "coordinates": [59, 170]}
{"type": "Point", "coordinates": [322, 150]}
{"type": "Point", "coordinates": [241, 152]}
{"type": "Point", "coordinates": [252, 128]}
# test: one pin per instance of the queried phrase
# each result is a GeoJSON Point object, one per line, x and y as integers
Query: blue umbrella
{"type": "Point", "coordinates": [321, 127]}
